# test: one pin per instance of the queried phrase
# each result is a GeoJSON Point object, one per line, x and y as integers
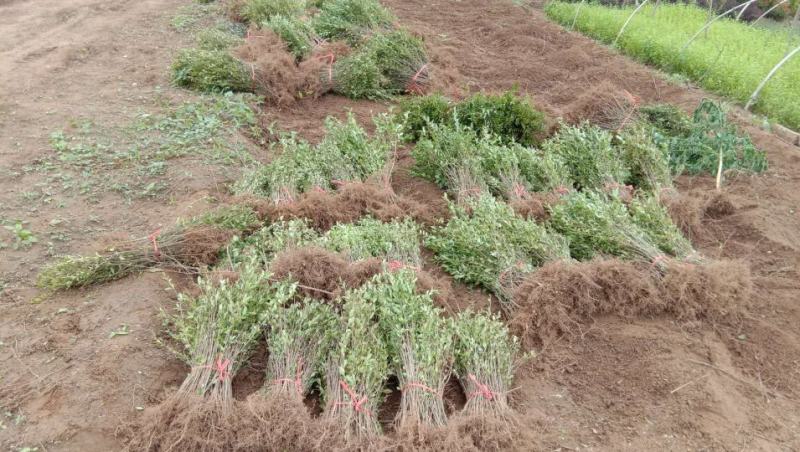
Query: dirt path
{"type": "Point", "coordinates": [653, 384]}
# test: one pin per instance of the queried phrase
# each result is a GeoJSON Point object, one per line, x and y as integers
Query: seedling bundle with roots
{"type": "Point", "coordinates": [395, 241]}
{"type": "Point", "coordinates": [299, 338]}
{"type": "Point", "coordinates": [485, 356]}
{"type": "Point", "coordinates": [420, 342]}
{"type": "Point", "coordinates": [357, 369]}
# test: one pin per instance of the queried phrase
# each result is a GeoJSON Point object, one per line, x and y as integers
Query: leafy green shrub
{"type": "Point", "coordinates": [345, 153]}
{"type": "Point", "coordinates": [588, 154]}
{"type": "Point", "coordinates": [506, 115]}
{"type": "Point", "coordinates": [294, 31]}
{"type": "Point", "coordinates": [599, 224]}
{"type": "Point", "coordinates": [485, 239]}
{"type": "Point", "coordinates": [667, 118]}
{"type": "Point", "coordinates": [646, 160]}
{"type": "Point", "coordinates": [399, 55]}
{"type": "Point", "coordinates": [485, 357]}
{"type": "Point", "coordinates": [258, 11]}
{"type": "Point", "coordinates": [210, 71]}
{"type": "Point", "coordinates": [654, 220]}
{"type": "Point", "coordinates": [358, 76]}
{"type": "Point", "coordinates": [350, 19]}
{"type": "Point", "coordinates": [216, 39]}
{"type": "Point", "coordinates": [419, 111]}
{"type": "Point", "coordinates": [371, 238]}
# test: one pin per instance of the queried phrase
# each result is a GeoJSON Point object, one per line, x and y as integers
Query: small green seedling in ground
{"type": "Point", "coordinates": [123, 330]}
{"type": "Point", "coordinates": [24, 238]}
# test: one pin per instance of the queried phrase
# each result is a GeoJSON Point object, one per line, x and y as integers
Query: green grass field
{"type": "Point", "coordinates": [731, 59]}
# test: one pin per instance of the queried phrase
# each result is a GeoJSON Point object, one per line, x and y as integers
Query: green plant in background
{"type": "Point", "coordinates": [599, 224]}
{"type": "Point", "coordinates": [395, 241]}
{"type": "Point", "coordinates": [349, 20]}
{"type": "Point", "coordinates": [648, 214]}
{"type": "Point", "coordinates": [485, 357]}
{"type": "Point", "coordinates": [508, 116]}
{"type": "Point", "coordinates": [210, 71]}
{"type": "Point", "coordinates": [588, 154]}
{"type": "Point", "coordinates": [258, 11]}
{"type": "Point", "coordinates": [219, 328]}
{"type": "Point", "coordinates": [299, 338]}
{"type": "Point", "coordinates": [420, 344]}
{"type": "Point", "coordinates": [486, 244]}
{"type": "Point", "coordinates": [731, 58]}
{"type": "Point", "coordinates": [23, 238]}
{"type": "Point", "coordinates": [294, 31]}
{"type": "Point", "coordinates": [358, 367]}
{"type": "Point", "coordinates": [417, 112]}
{"type": "Point", "coordinates": [217, 39]}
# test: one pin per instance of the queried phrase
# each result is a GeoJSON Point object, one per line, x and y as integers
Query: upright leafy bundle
{"type": "Point", "coordinates": [486, 244]}
{"type": "Point", "coordinates": [396, 241]}
{"type": "Point", "coordinates": [299, 338]}
{"type": "Point", "coordinates": [219, 327]}
{"type": "Point", "coordinates": [589, 156]}
{"type": "Point", "coordinates": [485, 355]}
{"type": "Point", "coordinates": [597, 223]}
{"type": "Point", "coordinates": [420, 342]}
{"type": "Point", "coordinates": [358, 367]}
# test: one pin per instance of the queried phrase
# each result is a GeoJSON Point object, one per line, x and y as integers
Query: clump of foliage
{"type": "Point", "coordinates": [258, 11]}
{"type": "Point", "coordinates": [667, 118]}
{"type": "Point", "coordinates": [216, 39]}
{"type": "Point", "coordinates": [589, 156]}
{"type": "Point", "coordinates": [349, 20]}
{"type": "Point", "coordinates": [418, 112]}
{"type": "Point", "coordinates": [485, 356]}
{"type": "Point", "coordinates": [511, 117]}
{"type": "Point", "coordinates": [388, 64]}
{"type": "Point", "coordinates": [358, 366]}
{"type": "Point", "coordinates": [490, 162]}
{"type": "Point", "coordinates": [219, 328]}
{"type": "Point", "coordinates": [265, 243]}
{"type": "Point", "coordinates": [236, 217]}
{"type": "Point", "coordinates": [599, 224]}
{"type": "Point", "coordinates": [712, 136]}
{"type": "Point", "coordinates": [295, 32]}
{"type": "Point", "coordinates": [654, 220]}
{"type": "Point", "coordinates": [395, 241]}
{"type": "Point", "coordinates": [70, 272]}
{"type": "Point", "coordinates": [420, 343]}
{"type": "Point", "coordinates": [646, 160]}
{"type": "Point", "coordinates": [210, 71]}
{"type": "Point", "coordinates": [299, 337]}
{"type": "Point", "coordinates": [345, 153]}
{"type": "Point", "coordinates": [486, 244]}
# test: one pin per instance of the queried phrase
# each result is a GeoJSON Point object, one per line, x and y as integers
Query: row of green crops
{"type": "Point", "coordinates": [731, 58]}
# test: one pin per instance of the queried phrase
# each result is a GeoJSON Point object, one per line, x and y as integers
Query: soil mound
{"type": "Point", "coordinates": [689, 210]}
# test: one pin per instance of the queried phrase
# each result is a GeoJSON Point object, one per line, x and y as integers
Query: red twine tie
{"type": "Point", "coordinates": [298, 382]}
{"type": "Point", "coordinates": [395, 265]}
{"type": "Point", "coordinates": [415, 384]}
{"type": "Point", "coordinates": [414, 87]}
{"type": "Point", "coordinates": [355, 402]}
{"type": "Point", "coordinates": [483, 390]}
{"type": "Point", "coordinates": [222, 368]}
{"type": "Point", "coordinates": [152, 237]}
{"type": "Point", "coordinates": [659, 258]}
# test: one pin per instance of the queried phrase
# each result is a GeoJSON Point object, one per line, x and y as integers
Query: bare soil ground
{"type": "Point", "coordinates": [618, 384]}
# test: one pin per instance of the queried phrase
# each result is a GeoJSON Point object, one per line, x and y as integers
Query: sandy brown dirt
{"type": "Point", "coordinates": [617, 384]}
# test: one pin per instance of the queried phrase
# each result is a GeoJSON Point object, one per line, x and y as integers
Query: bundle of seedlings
{"type": "Point", "coordinates": [396, 241]}
{"type": "Point", "coordinates": [388, 64]}
{"type": "Point", "coordinates": [218, 329]}
{"type": "Point", "coordinates": [485, 357]}
{"type": "Point", "coordinates": [486, 244]}
{"type": "Point", "coordinates": [183, 247]}
{"type": "Point", "coordinates": [508, 170]}
{"type": "Point", "coordinates": [420, 343]}
{"type": "Point", "coordinates": [587, 153]}
{"type": "Point", "coordinates": [350, 20]}
{"type": "Point", "coordinates": [667, 119]}
{"type": "Point", "coordinates": [217, 39]}
{"type": "Point", "coordinates": [296, 33]}
{"type": "Point", "coordinates": [269, 240]}
{"type": "Point", "coordinates": [346, 153]}
{"type": "Point", "coordinates": [210, 71]}
{"type": "Point", "coordinates": [599, 224]}
{"type": "Point", "coordinates": [299, 338]}
{"type": "Point", "coordinates": [258, 11]}
{"type": "Point", "coordinates": [646, 161]}
{"type": "Point", "coordinates": [653, 218]}
{"type": "Point", "coordinates": [509, 117]}
{"type": "Point", "coordinates": [357, 368]}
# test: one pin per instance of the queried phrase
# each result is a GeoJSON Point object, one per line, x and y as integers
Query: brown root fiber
{"type": "Point", "coordinates": [561, 296]}
{"type": "Point", "coordinates": [689, 210]}
{"type": "Point", "coordinates": [346, 205]}
{"type": "Point", "coordinates": [534, 206]}
{"type": "Point", "coordinates": [201, 246]}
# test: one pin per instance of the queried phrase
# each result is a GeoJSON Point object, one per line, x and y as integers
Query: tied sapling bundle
{"type": "Point", "coordinates": [357, 368]}
{"type": "Point", "coordinates": [485, 357]}
{"type": "Point", "coordinates": [655, 221]}
{"type": "Point", "coordinates": [395, 241]}
{"type": "Point", "coordinates": [420, 342]}
{"type": "Point", "coordinates": [299, 339]}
